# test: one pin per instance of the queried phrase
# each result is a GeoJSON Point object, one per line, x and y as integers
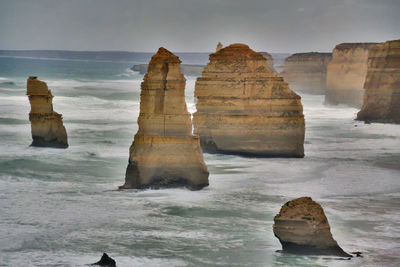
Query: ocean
{"type": "Point", "coordinates": [62, 207]}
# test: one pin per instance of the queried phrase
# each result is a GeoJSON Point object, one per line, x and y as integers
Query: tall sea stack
{"type": "Point", "coordinates": [346, 74]}
{"type": "Point", "coordinates": [164, 152]}
{"type": "Point", "coordinates": [47, 125]}
{"type": "Point", "coordinates": [302, 228]}
{"type": "Point", "coordinates": [244, 108]}
{"type": "Point", "coordinates": [306, 72]}
{"type": "Point", "coordinates": [382, 84]}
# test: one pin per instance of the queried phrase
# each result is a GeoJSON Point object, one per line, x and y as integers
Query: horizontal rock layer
{"type": "Point", "coordinates": [382, 84]}
{"type": "Point", "coordinates": [244, 108]}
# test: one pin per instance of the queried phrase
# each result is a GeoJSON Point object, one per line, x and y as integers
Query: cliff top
{"type": "Point", "coordinates": [239, 51]}
{"type": "Point", "coordinates": [309, 55]}
{"type": "Point", "coordinates": [164, 55]}
{"type": "Point", "coordinates": [346, 46]}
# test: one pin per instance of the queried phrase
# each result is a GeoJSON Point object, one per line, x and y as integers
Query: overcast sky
{"type": "Point", "coordinates": [195, 25]}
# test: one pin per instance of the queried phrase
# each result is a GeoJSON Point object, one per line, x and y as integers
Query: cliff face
{"type": "Point", "coordinates": [47, 126]}
{"type": "Point", "coordinates": [306, 72]}
{"type": "Point", "coordinates": [244, 108]}
{"type": "Point", "coordinates": [164, 152]}
{"type": "Point", "coordinates": [302, 228]}
{"type": "Point", "coordinates": [382, 84]}
{"type": "Point", "coordinates": [346, 74]}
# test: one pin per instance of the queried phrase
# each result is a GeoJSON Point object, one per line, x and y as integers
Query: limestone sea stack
{"type": "Point", "coordinates": [244, 108]}
{"type": "Point", "coordinates": [346, 74]}
{"type": "Point", "coordinates": [302, 228]}
{"type": "Point", "coordinates": [306, 72]}
{"type": "Point", "coordinates": [382, 84]}
{"type": "Point", "coordinates": [164, 152]}
{"type": "Point", "coordinates": [46, 124]}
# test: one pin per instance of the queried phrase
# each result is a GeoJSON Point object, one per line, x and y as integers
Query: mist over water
{"type": "Point", "coordinates": [61, 207]}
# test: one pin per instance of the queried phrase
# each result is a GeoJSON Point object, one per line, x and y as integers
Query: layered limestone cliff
{"type": "Point", "coordinates": [346, 74]}
{"type": "Point", "coordinates": [46, 125]}
{"type": "Point", "coordinates": [164, 152]}
{"type": "Point", "coordinates": [302, 228]}
{"type": "Point", "coordinates": [382, 84]}
{"type": "Point", "coordinates": [244, 108]}
{"type": "Point", "coordinates": [306, 72]}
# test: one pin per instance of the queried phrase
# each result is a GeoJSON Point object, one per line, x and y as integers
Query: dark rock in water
{"type": "Point", "coordinates": [367, 122]}
{"type": "Point", "coordinates": [302, 228]}
{"type": "Point", "coordinates": [106, 261]}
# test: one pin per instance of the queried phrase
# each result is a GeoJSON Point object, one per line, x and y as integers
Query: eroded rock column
{"type": "Point", "coordinates": [164, 152]}
{"type": "Point", "coordinates": [244, 108]}
{"type": "Point", "coordinates": [47, 126]}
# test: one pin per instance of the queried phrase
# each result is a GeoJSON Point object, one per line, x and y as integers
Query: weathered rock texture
{"type": "Point", "coordinates": [164, 152]}
{"type": "Point", "coordinates": [302, 228]}
{"type": "Point", "coordinates": [306, 72]}
{"type": "Point", "coordinates": [346, 74]}
{"type": "Point", "coordinates": [382, 84]}
{"type": "Point", "coordinates": [244, 108]}
{"type": "Point", "coordinates": [187, 69]}
{"type": "Point", "coordinates": [270, 60]}
{"type": "Point", "coordinates": [47, 126]}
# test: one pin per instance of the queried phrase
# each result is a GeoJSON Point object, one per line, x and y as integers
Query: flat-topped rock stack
{"type": "Point", "coordinates": [346, 74]}
{"type": "Point", "coordinates": [306, 72]}
{"type": "Point", "coordinates": [302, 228]}
{"type": "Point", "coordinates": [244, 108]}
{"type": "Point", "coordinates": [46, 124]}
{"type": "Point", "coordinates": [164, 152]}
{"type": "Point", "coordinates": [382, 84]}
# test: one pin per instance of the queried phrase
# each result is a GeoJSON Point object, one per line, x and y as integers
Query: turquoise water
{"type": "Point", "coordinates": [61, 207]}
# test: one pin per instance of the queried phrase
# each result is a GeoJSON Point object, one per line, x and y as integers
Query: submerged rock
{"type": "Point", "coordinates": [106, 261]}
{"type": "Point", "coordinates": [306, 72]}
{"type": "Point", "coordinates": [47, 126]}
{"type": "Point", "coordinates": [382, 84]}
{"type": "Point", "coordinates": [302, 228]}
{"type": "Point", "coordinates": [164, 152]}
{"type": "Point", "coordinates": [244, 108]}
{"type": "Point", "coordinates": [346, 74]}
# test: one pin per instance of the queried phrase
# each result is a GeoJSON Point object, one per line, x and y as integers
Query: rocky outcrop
{"type": "Point", "coordinates": [219, 47]}
{"type": "Point", "coordinates": [382, 84]}
{"type": "Point", "coordinates": [302, 228]}
{"type": "Point", "coordinates": [270, 60]}
{"type": "Point", "coordinates": [47, 126]}
{"type": "Point", "coordinates": [187, 69]}
{"type": "Point", "coordinates": [306, 72]}
{"type": "Point", "coordinates": [244, 108]}
{"type": "Point", "coordinates": [346, 74]}
{"type": "Point", "coordinates": [106, 261]}
{"type": "Point", "coordinates": [164, 152]}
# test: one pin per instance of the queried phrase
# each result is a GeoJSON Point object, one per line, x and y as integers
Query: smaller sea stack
{"type": "Point", "coordinates": [47, 125]}
{"type": "Point", "coordinates": [306, 72]}
{"type": "Point", "coordinates": [302, 228]}
{"type": "Point", "coordinates": [382, 85]}
{"type": "Point", "coordinates": [164, 152]}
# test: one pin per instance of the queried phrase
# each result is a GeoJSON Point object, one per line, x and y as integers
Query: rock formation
{"type": "Point", "coordinates": [382, 84]}
{"type": "Point", "coordinates": [187, 69]}
{"type": "Point", "coordinates": [164, 152]}
{"type": "Point", "coordinates": [244, 108]}
{"type": "Point", "coordinates": [106, 261]}
{"type": "Point", "coordinates": [306, 72]}
{"type": "Point", "coordinates": [302, 228]}
{"type": "Point", "coordinates": [346, 74]}
{"type": "Point", "coordinates": [47, 126]}
{"type": "Point", "coordinates": [219, 47]}
{"type": "Point", "coordinates": [270, 60]}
